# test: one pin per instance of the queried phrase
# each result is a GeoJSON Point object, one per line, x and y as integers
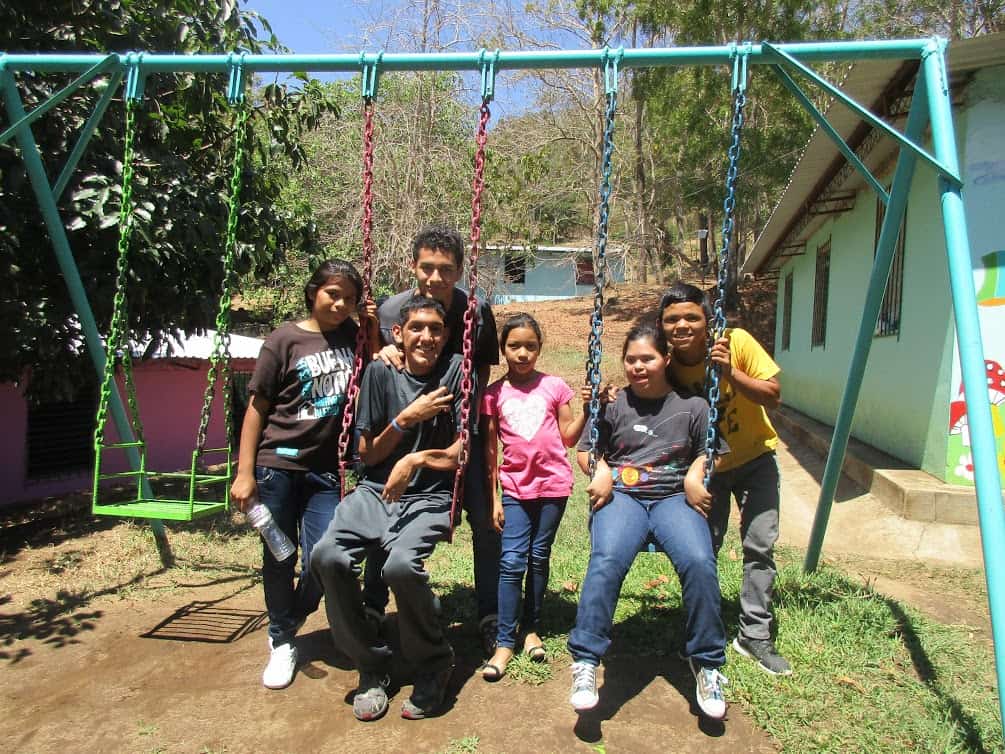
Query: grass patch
{"type": "Point", "coordinates": [871, 675]}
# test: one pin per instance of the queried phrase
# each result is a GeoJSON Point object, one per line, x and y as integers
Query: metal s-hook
{"type": "Point", "coordinates": [235, 84]}
{"type": "Point", "coordinates": [135, 78]}
{"type": "Point", "coordinates": [610, 62]}
{"type": "Point", "coordinates": [488, 72]}
{"type": "Point", "coordinates": [740, 54]}
{"type": "Point", "coordinates": [370, 75]}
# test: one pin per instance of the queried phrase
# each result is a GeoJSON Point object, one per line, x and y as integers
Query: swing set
{"type": "Point", "coordinates": [931, 107]}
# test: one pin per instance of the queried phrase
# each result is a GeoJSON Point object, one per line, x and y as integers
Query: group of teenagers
{"type": "Point", "coordinates": [647, 482]}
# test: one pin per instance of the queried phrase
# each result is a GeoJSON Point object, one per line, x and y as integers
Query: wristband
{"type": "Point", "coordinates": [396, 426]}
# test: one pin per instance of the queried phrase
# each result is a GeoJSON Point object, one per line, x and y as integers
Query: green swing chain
{"type": "Point", "coordinates": [116, 345]}
{"type": "Point", "coordinates": [219, 360]}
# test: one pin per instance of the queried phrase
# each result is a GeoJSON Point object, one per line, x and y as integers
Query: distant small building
{"type": "Point", "coordinates": [47, 448]}
{"type": "Point", "coordinates": [544, 273]}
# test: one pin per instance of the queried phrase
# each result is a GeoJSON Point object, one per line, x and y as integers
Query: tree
{"type": "Point", "coordinates": [183, 160]}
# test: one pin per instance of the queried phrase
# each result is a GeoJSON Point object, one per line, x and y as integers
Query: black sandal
{"type": "Point", "coordinates": [491, 673]}
{"type": "Point", "coordinates": [536, 653]}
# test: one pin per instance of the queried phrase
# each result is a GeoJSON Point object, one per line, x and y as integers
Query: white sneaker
{"type": "Point", "coordinates": [708, 690]}
{"type": "Point", "coordinates": [584, 686]}
{"type": "Point", "coordinates": [278, 674]}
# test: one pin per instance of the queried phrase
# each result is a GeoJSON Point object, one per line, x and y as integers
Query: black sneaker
{"type": "Point", "coordinates": [427, 694]}
{"type": "Point", "coordinates": [488, 627]}
{"type": "Point", "coordinates": [764, 652]}
{"type": "Point", "coordinates": [370, 702]}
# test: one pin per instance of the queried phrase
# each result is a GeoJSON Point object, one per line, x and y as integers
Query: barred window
{"type": "Point", "coordinates": [515, 268]}
{"type": "Point", "coordinates": [787, 313]}
{"type": "Point", "coordinates": [821, 283]}
{"type": "Point", "coordinates": [61, 435]}
{"type": "Point", "coordinates": [584, 270]}
{"type": "Point", "coordinates": [888, 322]}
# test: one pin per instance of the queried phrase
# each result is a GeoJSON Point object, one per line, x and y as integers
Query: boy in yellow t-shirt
{"type": "Point", "coordinates": [748, 385]}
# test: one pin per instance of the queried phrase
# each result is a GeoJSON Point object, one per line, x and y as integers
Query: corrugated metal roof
{"type": "Point", "coordinates": [201, 347]}
{"type": "Point", "coordinates": [822, 173]}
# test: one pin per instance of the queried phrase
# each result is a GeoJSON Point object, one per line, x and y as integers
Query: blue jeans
{"type": "Point", "coordinates": [529, 531]}
{"type": "Point", "coordinates": [303, 505]}
{"type": "Point", "coordinates": [616, 532]}
{"type": "Point", "coordinates": [485, 541]}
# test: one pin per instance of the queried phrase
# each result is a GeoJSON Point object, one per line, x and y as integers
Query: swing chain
{"type": "Point", "coordinates": [362, 334]}
{"type": "Point", "coordinates": [471, 313]}
{"type": "Point", "coordinates": [220, 357]}
{"type": "Point", "coordinates": [595, 346]}
{"type": "Point", "coordinates": [717, 326]}
{"type": "Point", "coordinates": [116, 345]}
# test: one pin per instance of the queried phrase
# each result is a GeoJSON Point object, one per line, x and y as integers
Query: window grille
{"type": "Point", "coordinates": [584, 270]}
{"type": "Point", "coordinates": [515, 268]}
{"type": "Point", "coordinates": [821, 283]}
{"type": "Point", "coordinates": [61, 435]}
{"type": "Point", "coordinates": [787, 313]}
{"type": "Point", "coordinates": [888, 322]}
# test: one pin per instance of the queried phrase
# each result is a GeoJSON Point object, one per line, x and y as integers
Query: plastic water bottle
{"type": "Point", "coordinates": [275, 538]}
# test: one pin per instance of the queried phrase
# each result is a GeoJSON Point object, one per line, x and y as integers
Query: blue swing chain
{"type": "Point", "coordinates": [595, 347]}
{"type": "Point", "coordinates": [718, 324]}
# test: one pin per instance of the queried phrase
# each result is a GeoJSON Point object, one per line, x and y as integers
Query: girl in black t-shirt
{"type": "Point", "coordinates": [648, 483]}
{"type": "Point", "coordinates": [289, 444]}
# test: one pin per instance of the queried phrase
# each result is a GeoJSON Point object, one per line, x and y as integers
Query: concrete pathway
{"type": "Point", "coordinates": [859, 524]}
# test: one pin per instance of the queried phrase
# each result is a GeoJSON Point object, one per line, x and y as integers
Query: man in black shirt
{"type": "Point", "coordinates": [400, 510]}
{"type": "Point", "coordinates": [437, 263]}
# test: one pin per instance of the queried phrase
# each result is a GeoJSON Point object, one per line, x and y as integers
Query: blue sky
{"type": "Point", "coordinates": [341, 26]}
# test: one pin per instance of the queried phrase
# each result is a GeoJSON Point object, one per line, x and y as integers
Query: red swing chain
{"type": "Point", "coordinates": [471, 313]}
{"type": "Point", "coordinates": [362, 335]}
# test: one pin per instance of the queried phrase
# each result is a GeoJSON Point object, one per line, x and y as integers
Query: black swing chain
{"type": "Point", "coordinates": [717, 326]}
{"type": "Point", "coordinates": [594, 344]}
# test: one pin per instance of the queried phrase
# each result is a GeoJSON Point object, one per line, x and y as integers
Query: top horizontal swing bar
{"type": "Point", "coordinates": [903, 49]}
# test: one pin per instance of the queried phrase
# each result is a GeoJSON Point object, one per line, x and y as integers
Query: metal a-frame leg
{"type": "Point", "coordinates": [68, 266]}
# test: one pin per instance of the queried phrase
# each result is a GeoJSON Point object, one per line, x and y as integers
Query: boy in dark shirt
{"type": "Point", "coordinates": [437, 263]}
{"type": "Point", "coordinates": [400, 510]}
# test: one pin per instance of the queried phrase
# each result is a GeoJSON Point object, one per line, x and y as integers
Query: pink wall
{"type": "Point", "coordinates": [170, 394]}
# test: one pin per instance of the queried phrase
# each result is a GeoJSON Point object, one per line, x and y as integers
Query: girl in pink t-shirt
{"type": "Point", "coordinates": [530, 413]}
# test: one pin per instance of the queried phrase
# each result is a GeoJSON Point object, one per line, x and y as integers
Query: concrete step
{"type": "Point", "coordinates": [909, 492]}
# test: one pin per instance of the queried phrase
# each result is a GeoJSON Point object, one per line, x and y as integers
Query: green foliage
{"type": "Point", "coordinates": [183, 154]}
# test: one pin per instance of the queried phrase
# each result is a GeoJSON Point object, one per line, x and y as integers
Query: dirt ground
{"type": "Point", "coordinates": [181, 675]}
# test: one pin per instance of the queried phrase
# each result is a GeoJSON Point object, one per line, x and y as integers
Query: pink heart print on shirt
{"type": "Point", "coordinates": [524, 416]}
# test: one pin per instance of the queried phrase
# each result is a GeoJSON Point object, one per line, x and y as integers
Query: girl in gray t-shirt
{"type": "Point", "coordinates": [648, 483]}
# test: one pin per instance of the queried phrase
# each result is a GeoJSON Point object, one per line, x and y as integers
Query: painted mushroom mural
{"type": "Point", "coordinates": [959, 432]}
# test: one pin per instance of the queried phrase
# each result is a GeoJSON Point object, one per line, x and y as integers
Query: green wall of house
{"type": "Point", "coordinates": [903, 406]}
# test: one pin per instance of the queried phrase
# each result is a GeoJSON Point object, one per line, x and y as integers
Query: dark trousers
{"type": "Point", "coordinates": [405, 532]}
{"type": "Point", "coordinates": [485, 542]}
{"type": "Point", "coordinates": [755, 487]}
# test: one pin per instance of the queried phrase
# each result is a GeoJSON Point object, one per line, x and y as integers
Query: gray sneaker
{"type": "Point", "coordinates": [708, 690]}
{"type": "Point", "coordinates": [427, 694]}
{"type": "Point", "coordinates": [370, 702]}
{"type": "Point", "coordinates": [764, 653]}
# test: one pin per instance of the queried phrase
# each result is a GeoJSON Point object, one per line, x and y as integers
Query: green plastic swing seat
{"type": "Point", "coordinates": [157, 495]}
{"type": "Point", "coordinates": [162, 506]}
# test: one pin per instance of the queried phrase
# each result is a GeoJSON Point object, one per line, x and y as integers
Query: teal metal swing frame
{"type": "Point", "coordinates": [931, 107]}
